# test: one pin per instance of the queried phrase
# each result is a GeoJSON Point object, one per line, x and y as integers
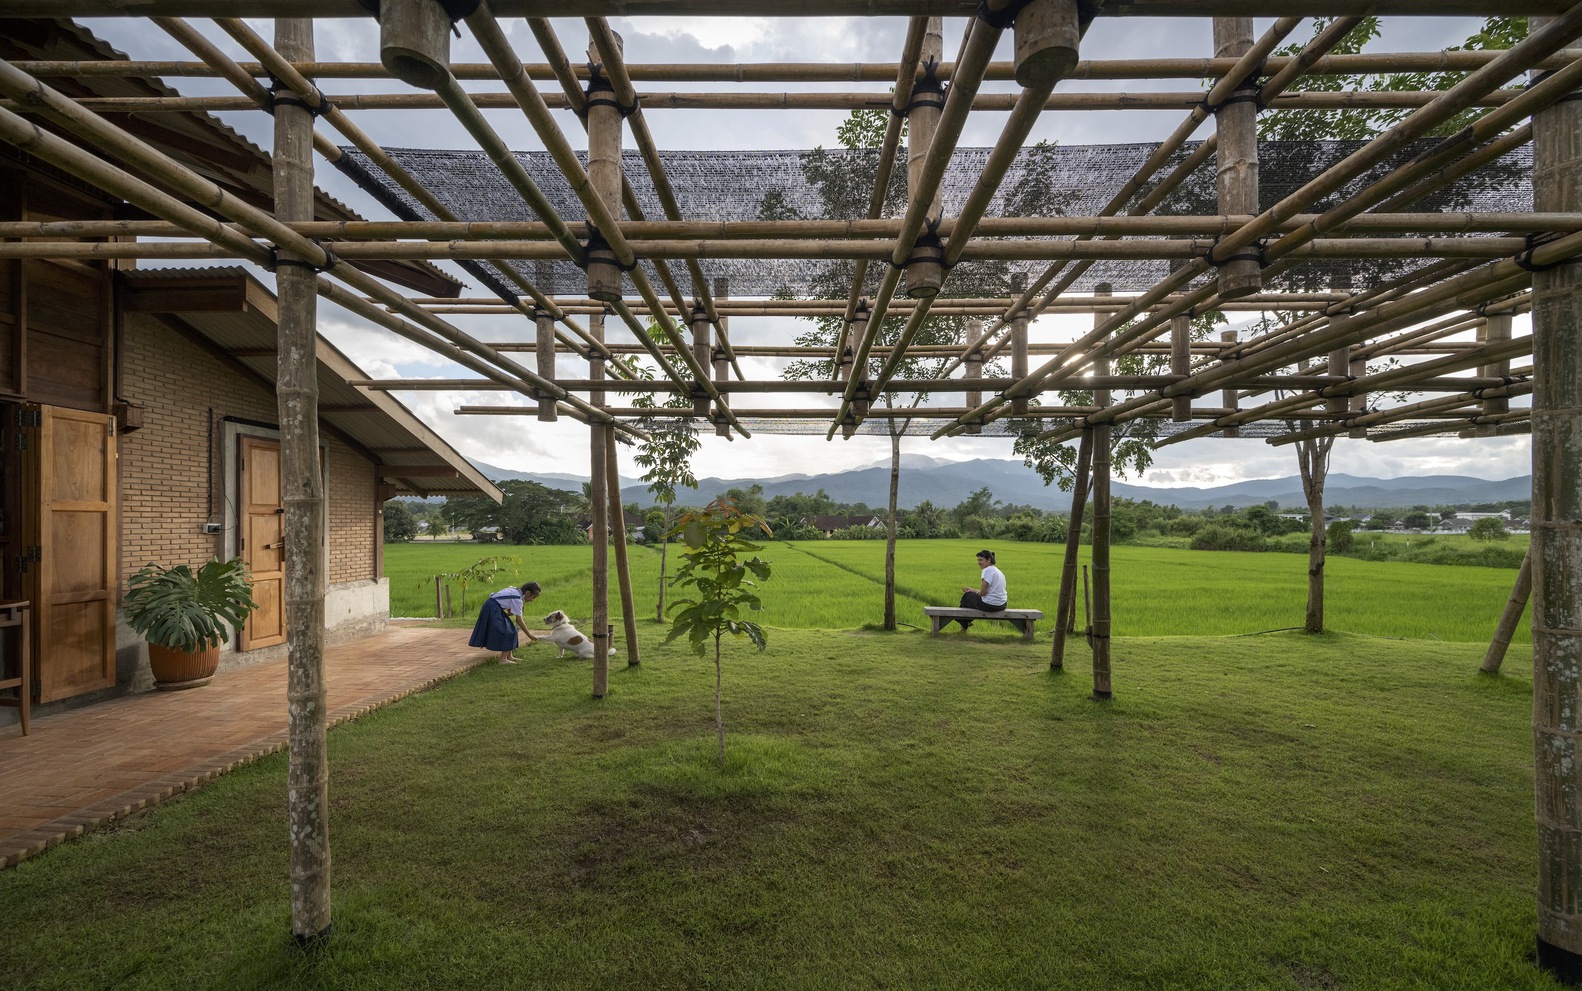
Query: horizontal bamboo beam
{"type": "Point", "coordinates": [1022, 250]}
{"type": "Point", "coordinates": [775, 8]}
{"type": "Point", "coordinates": [732, 230]}
{"type": "Point", "coordinates": [982, 103]}
{"type": "Point", "coordinates": [801, 72]}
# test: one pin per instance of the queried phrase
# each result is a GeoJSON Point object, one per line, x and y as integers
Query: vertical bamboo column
{"type": "Point", "coordinates": [302, 495]}
{"type": "Point", "coordinates": [1066, 602]}
{"type": "Point", "coordinates": [544, 324]}
{"type": "Point", "coordinates": [722, 358]}
{"type": "Point", "coordinates": [1496, 330]}
{"type": "Point", "coordinates": [1236, 127]}
{"type": "Point", "coordinates": [1019, 323]}
{"type": "Point", "coordinates": [1557, 550]}
{"type": "Point", "coordinates": [1048, 35]}
{"type": "Point", "coordinates": [924, 272]}
{"type": "Point", "coordinates": [599, 516]}
{"type": "Point", "coordinates": [618, 516]}
{"type": "Point", "coordinates": [604, 283]}
{"type": "Point", "coordinates": [1514, 607]}
{"type": "Point", "coordinates": [1339, 364]}
{"type": "Point", "coordinates": [973, 369]}
{"type": "Point", "coordinates": [1181, 364]}
{"type": "Point", "coordinates": [1101, 530]}
{"type": "Point", "coordinates": [1359, 401]}
{"type": "Point", "coordinates": [700, 351]}
{"type": "Point", "coordinates": [1230, 397]}
{"type": "Point", "coordinates": [855, 331]}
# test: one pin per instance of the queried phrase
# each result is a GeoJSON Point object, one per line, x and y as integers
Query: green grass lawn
{"type": "Point", "coordinates": [838, 584]}
{"type": "Point", "coordinates": [898, 811]}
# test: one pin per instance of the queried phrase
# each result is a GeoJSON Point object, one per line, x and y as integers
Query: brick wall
{"type": "Point", "coordinates": [171, 469]}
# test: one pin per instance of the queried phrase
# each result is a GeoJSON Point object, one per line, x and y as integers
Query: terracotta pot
{"type": "Point", "coordinates": [177, 669]}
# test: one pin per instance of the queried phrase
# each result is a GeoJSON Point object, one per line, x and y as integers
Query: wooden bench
{"type": "Point", "coordinates": [1022, 619]}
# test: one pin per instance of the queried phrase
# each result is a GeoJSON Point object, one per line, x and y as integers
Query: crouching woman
{"type": "Point", "coordinates": [501, 617]}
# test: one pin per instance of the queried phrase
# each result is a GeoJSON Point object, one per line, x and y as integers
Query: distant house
{"type": "Point", "coordinates": [832, 524]}
{"type": "Point", "coordinates": [632, 520]}
{"type": "Point", "coordinates": [1456, 524]}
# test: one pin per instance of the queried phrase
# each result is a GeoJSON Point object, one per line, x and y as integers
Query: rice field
{"type": "Point", "coordinates": [1157, 591]}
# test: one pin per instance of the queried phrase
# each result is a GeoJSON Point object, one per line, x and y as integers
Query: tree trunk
{"type": "Point", "coordinates": [889, 543]}
{"type": "Point", "coordinates": [1101, 563]}
{"type": "Point", "coordinates": [1514, 607]}
{"type": "Point", "coordinates": [1313, 460]}
{"type": "Point", "coordinates": [302, 493]}
{"type": "Point", "coordinates": [664, 552]}
{"type": "Point", "coordinates": [719, 712]}
{"type": "Point", "coordinates": [1066, 602]}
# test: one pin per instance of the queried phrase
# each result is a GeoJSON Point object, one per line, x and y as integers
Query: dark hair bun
{"type": "Point", "coordinates": [987, 554]}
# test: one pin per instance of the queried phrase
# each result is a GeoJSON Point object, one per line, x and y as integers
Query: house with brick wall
{"type": "Point", "coordinates": [138, 423]}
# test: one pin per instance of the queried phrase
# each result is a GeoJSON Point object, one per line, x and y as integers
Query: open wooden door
{"type": "Point", "coordinates": [263, 544]}
{"type": "Point", "coordinates": [72, 566]}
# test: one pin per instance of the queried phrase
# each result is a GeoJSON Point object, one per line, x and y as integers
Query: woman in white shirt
{"type": "Point", "coordinates": [990, 594]}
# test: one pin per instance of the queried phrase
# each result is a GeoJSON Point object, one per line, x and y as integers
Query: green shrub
{"type": "Point", "coordinates": [1227, 537]}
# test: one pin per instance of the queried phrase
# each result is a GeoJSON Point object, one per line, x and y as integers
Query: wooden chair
{"type": "Point", "coordinates": [15, 614]}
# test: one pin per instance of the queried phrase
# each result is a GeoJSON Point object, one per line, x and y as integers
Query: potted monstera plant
{"type": "Point", "coordinates": [185, 615]}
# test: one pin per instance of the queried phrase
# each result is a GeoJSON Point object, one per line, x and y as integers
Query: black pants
{"type": "Point", "coordinates": [970, 600]}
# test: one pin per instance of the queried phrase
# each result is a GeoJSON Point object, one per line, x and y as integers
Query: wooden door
{"type": "Point", "coordinates": [263, 546]}
{"type": "Point", "coordinates": [72, 566]}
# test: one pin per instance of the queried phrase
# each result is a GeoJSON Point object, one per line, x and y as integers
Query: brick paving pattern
{"type": "Point", "coordinates": [80, 769]}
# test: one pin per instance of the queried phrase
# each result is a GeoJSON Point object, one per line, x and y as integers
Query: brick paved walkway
{"type": "Point", "coordinates": [85, 767]}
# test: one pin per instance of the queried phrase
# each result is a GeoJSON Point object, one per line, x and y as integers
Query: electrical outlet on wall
{"type": "Point", "coordinates": [213, 527]}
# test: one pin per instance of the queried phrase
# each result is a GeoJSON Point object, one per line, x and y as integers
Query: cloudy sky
{"type": "Point", "coordinates": [525, 444]}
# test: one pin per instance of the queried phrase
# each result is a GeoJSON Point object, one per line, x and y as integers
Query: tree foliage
{"type": "Point", "coordinates": [400, 522]}
{"type": "Point", "coordinates": [529, 514]}
{"type": "Point", "coordinates": [1488, 528]}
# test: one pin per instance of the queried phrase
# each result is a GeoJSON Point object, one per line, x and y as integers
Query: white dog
{"type": "Point", "coordinates": [565, 636]}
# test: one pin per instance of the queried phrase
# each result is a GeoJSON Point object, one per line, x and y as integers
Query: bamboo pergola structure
{"type": "Point", "coordinates": [1395, 265]}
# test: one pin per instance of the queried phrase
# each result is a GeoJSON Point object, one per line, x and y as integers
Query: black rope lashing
{"type": "Point", "coordinates": [276, 259]}
{"type": "Point", "coordinates": [1524, 260]}
{"type": "Point", "coordinates": [597, 242]}
{"type": "Point", "coordinates": [281, 95]}
{"type": "Point", "coordinates": [454, 9]}
{"type": "Point", "coordinates": [601, 93]}
{"type": "Point", "coordinates": [1253, 252]}
{"type": "Point", "coordinates": [926, 92]}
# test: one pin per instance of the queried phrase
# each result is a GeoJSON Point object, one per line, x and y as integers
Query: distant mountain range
{"type": "Point", "coordinates": [947, 483]}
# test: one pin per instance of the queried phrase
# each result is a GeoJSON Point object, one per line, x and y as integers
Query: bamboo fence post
{"type": "Point", "coordinates": [1510, 617]}
{"type": "Point", "coordinates": [439, 603]}
{"type": "Point", "coordinates": [599, 532]}
{"type": "Point", "coordinates": [302, 493]}
{"type": "Point", "coordinates": [1101, 533]}
{"type": "Point", "coordinates": [1236, 124]}
{"type": "Point", "coordinates": [1557, 547]}
{"type": "Point", "coordinates": [622, 570]}
{"type": "Point", "coordinates": [1065, 602]}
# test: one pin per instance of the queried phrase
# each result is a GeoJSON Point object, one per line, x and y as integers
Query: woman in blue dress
{"type": "Point", "coordinates": [501, 617]}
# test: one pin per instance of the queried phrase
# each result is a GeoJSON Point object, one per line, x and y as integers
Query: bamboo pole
{"type": "Point", "coordinates": [599, 511]}
{"type": "Point", "coordinates": [1209, 226]}
{"type": "Point", "coordinates": [1556, 544]}
{"type": "Point", "coordinates": [302, 494]}
{"type": "Point", "coordinates": [622, 569]}
{"type": "Point", "coordinates": [1065, 602]}
{"type": "Point", "coordinates": [1510, 617]}
{"type": "Point", "coordinates": [924, 273]}
{"type": "Point", "coordinates": [803, 101]}
{"type": "Point", "coordinates": [1361, 64]}
{"type": "Point", "coordinates": [1101, 543]}
{"type": "Point", "coordinates": [807, 8]}
{"type": "Point", "coordinates": [1497, 331]}
{"type": "Point", "coordinates": [1236, 124]}
{"type": "Point", "coordinates": [1180, 363]}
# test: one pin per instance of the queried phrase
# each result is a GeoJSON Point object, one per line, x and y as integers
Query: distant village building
{"type": "Point", "coordinates": [830, 525]}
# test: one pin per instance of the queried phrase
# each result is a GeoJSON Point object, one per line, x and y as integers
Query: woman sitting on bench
{"type": "Point", "coordinates": [990, 595]}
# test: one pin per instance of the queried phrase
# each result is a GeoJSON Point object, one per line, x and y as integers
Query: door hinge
{"type": "Point", "coordinates": [109, 426]}
{"type": "Point", "coordinates": [21, 565]}
{"type": "Point", "coordinates": [29, 418]}
{"type": "Point", "coordinates": [34, 553]}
